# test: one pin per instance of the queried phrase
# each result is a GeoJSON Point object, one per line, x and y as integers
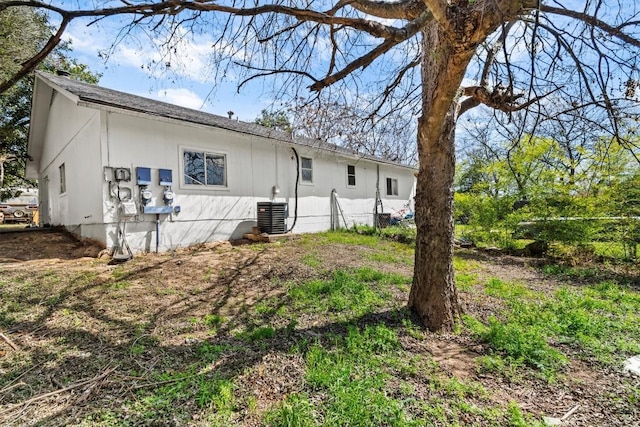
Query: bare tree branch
{"type": "Point", "coordinates": [402, 9]}
{"type": "Point", "coordinates": [593, 21]}
{"type": "Point", "coordinates": [410, 30]}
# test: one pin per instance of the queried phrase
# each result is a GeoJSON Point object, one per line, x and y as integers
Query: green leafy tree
{"type": "Point", "coordinates": [565, 190]}
{"type": "Point", "coordinates": [23, 32]}
{"type": "Point", "coordinates": [274, 119]}
{"type": "Point", "coordinates": [624, 197]}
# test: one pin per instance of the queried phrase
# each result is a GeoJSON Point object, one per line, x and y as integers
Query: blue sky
{"type": "Point", "coordinates": [187, 82]}
{"type": "Point", "coordinates": [191, 80]}
{"type": "Point", "coordinates": [135, 66]}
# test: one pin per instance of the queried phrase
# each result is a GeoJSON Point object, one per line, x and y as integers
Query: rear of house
{"type": "Point", "coordinates": [122, 169]}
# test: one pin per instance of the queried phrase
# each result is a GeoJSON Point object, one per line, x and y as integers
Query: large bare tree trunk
{"type": "Point", "coordinates": [433, 294]}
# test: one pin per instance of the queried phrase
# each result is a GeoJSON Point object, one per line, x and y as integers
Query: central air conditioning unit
{"type": "Point", "coordinates": [272, 217]}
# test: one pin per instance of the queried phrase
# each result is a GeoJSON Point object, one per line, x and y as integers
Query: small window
{"type": "Point", "coordinates": [207, 169]}
{"type": "Point", "coordinates": [351, 175]}
{"type": "Point", "coordinates": [392, 187]}
{"type": "Point", "coordinates": [306, 169]}
{"type": "Point", "coordinates": [63, 179]}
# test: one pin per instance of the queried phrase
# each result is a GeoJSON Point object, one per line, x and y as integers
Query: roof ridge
{"type": "Point", "coordinates": [94, 94]}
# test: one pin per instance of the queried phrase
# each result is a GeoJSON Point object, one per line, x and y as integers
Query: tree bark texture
{"type": "Point", "coordinates": [433, 293]}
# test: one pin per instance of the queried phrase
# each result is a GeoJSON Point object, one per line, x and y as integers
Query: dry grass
{"type": "Point", "coordinates": [229, 335]}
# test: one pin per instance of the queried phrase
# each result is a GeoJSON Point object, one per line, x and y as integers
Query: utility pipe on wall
{"type": "Point", "coordinates": [157, 232]}
{"type": "Point", "coordinates": [295, 211]}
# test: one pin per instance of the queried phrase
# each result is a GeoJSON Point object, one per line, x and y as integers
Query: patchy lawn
{"type": "Point", "coordinates": [307, 332]}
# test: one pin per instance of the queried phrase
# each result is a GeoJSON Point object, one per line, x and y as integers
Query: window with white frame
{"type": "Point", "coordinates": [306, 169]}
{"type": "Point", "coordinates": [351, 176]}
{"type": "Point", "coordinates": [392, 187]}
{"type": "Point", "coordinates": [202, 168]}
{"type": "Point", "coordinates": [63, 179]}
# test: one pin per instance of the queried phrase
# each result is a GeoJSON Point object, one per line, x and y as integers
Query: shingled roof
{"type": "Point", "coordinates": [94, 95]}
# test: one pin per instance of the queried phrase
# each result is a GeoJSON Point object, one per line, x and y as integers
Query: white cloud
{"type": "Point", "coordinates": [136, 57]}
{"type": "Point", "coordinates": [185, 56]}
{"type": "Point", "coordinates": [87, 39]}
{"type": "Point", "coordinates": [180, 96]}
{"type": "Point", "coordinates": [467, 81]}
{"type": "Point", "coordinates": [81, 42]}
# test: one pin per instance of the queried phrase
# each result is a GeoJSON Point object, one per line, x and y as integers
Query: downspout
{"type": "Point", "coordinates": [295, 210]}
{"type": "Point", "coordinates": [375, 209]}
{"type": "Point", "coordinates": [335, 210]}
{"type": "Point", "coordinates": [157, 232]}
{"type": "Point", "coordinates": [332, 209]}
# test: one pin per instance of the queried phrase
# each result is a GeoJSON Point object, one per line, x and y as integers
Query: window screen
{"type": "Point", "coordinates": [306, 169]}
{"type": "Point", "coordinates": [202, 168]}
{"type": "Point", "coordinates": [392, 187]}
{"type": "Point", "coordinates": [351, 175]}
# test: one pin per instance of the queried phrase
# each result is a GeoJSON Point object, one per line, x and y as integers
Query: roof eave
{"type": "Point", "coordinates": [92, 96]}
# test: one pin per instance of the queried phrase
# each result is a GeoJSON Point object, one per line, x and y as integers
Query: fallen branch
{"type": "Point", "coordinates": [571, 411]}
{"type": "Point", "coordinates": [8, 341]}
{"type": "Point", "coordinates": [8, 386]}
{"type": "Point", "coordinates": [173, 380]}
{"type": "Point", "coordinates": [4, 260]}
{"type": "Point", "coordinates": [12, 386]}
{"type": "Point", "coordinates": [159, 383]}
{"type": "Point", "coordinates": [62, 390]}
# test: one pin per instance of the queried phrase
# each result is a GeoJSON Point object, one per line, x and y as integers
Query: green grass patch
{"type": "Point", "coordinates": [120, 273]}
{"type": "Point", "coordinates": [311, 259]}
{"type": "Point", "coordinates": [521, 344]}
{"type": "Point", "coordinates": [611, 250]}
{"type": "Point", "coordinates": [295, 411]}
{"type": "Point", "coordinates": [364, 378]}
{"type": "Point", "coordinates": [464, 282]}
{"type": "Point", "coordinates": [506, 290]}
{"type": "Point", "coordinates": [567, 272]}
{"type": "Point", "coordinates": [215, 392]}
{"type": "Point", "coordinates": [259, 333]}
{"type": "Point", "coordinates": [170, 401]}
{"type": "Point", "coordinates": [602, 320]}
{"type": "Point", "coordinates": [400, 234]}
{"type": "Point", "coordinates": [465, 266]}
{"type": "Point", "coordinates": [348, 292]}
{"type": "Point", "coordinates": [351, 376]}
{"type": "Point", "coordinates": [210, 352]}
{"type": "Point", "coordinates": [213, 321]}
{"type": "Point", "coordinates": [120, 285]}
{"type": "Point", "coordinates": [341, 237]}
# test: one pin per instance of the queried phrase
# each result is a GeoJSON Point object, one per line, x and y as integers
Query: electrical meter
{"type": "Point", "coordinates": [167, 196]}
{"type": "Point", "coordinates": [145, 195]}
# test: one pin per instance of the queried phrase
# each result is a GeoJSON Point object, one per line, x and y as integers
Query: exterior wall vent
{"type": "Point", "coordinates": [272, 217]}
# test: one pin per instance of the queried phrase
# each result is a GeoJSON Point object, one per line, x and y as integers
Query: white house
{"type": "Point", "coordinates": [112, 165]}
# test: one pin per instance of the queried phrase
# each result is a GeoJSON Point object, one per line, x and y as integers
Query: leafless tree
{"type": "Point", "coordinates": [346, 123]}
{"type": "Point", "coordinates": [516, 55]}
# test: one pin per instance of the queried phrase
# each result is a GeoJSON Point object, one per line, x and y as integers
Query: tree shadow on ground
{"type": "Point", "coordinates": [82, 358]}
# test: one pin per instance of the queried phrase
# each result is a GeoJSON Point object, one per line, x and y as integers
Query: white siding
{"type": "Point", "coordinates": [86, 140]}
{"type": "Point", "coordinates": [72, 139]}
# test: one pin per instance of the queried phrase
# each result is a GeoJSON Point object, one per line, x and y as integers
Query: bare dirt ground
{"type": "Point", "coordinates": [95, 333]}
{"type": "Point", "coordinates": [19, 243]}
